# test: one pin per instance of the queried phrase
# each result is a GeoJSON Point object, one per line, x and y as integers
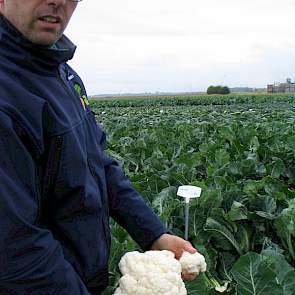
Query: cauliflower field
{"type": "Point", "coordinates": [241, 150]}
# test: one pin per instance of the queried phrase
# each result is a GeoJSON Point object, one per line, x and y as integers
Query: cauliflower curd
{"type": "Point", "coordinates": [192, 263]}
{"type": "Point", "coordinates": [154, 273]}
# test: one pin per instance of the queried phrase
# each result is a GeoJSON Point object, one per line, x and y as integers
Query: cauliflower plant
{"type": "Point", "coordinates": [154, 273]}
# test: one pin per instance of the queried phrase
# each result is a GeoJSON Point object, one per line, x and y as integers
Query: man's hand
{"type": "Point", "coordinates": [176, 245]}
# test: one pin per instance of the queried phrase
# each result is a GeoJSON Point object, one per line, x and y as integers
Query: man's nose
{"type": "Point", "coordinates": [56, 2]}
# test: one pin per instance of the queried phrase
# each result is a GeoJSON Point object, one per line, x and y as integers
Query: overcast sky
{"type": "Point", "coordinates": [172, 45]}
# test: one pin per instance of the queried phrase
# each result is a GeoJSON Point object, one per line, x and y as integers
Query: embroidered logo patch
{"type": "Point", "coordinates": [83, 98]}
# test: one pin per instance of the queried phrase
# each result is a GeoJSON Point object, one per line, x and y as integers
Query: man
{"type": "Point", "coordinates": [57, 187]}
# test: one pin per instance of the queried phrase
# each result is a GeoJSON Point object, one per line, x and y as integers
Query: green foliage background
{"type": "Point", "coordinates": [241, 150]}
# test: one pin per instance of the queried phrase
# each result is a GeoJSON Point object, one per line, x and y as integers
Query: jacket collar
{"type": "Point", "coordinates": [17, 48]}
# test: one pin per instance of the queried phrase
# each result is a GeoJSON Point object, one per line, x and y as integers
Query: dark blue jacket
{"type": "Point", "coordinates": [57, 186]}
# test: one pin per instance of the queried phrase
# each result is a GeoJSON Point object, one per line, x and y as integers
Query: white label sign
{"type": "Point", "coordinates": [189, 191]}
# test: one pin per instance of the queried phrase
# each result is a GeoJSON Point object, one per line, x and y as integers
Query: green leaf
{"type": "Point", "coordinates": [289, 283]}
{"type": "Point", "coordinates": [272, 186]}
{"type": "Point", "coordinates": [227, 133]}
{"type": "Point", "coordinates": [238, 211]}
{"type": "Point", "coordinates": [227, 261]}
{"type": "Point", "coordinates": [266, 206]}
{"type": "Point", "coordinates": [254, 275]}
{"type": "Point", "coordinates": [197, 286]}
{"type": "Point", "coordinates": [252, 186]}
{"type": "Point", "coordinates": [277, 168]}
{"type": "Point", "coordinates": [211, 198]}
{"type": "Point", "coordinates": [189, 159]}
{"type": "Point", "coordinates": [220, 182]}
{"type": "Point", "coordinates": [221, 157]}
{"type": "Point", "coordinates": [234, 168]}
{"type": "Point", "coordinates": [284, 271]}
{"type": "Point", "coordinates": [244, 236]}
{"type": "Point", "coordinates": [165, 202]}
{"type": "Point", "coordinates": [216, 227]}
{"type": "Point", "coordinates": [291, 141]}
{"type": "Point", "coordinates": [254, 144]}
{"type": "Point", "coordinates": [260, 169]}
{"type": "Point", "coordinates": [285, 225]}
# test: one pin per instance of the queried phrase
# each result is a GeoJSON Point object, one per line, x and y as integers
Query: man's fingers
{"type": "Point", "coordinates": [189, 276]}
{"type": "Point", "coordinates": [189, 248]}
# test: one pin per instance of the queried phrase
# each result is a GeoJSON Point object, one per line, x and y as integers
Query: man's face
{"type": "Point", "coordinates": [41, 21]}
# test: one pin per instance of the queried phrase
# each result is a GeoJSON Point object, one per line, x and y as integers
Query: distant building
{"type": "Point", "coordinates": [286, 87]}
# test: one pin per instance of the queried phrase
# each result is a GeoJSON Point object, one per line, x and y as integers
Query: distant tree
{"type": "Point", "coordinates": [218, 90]}
{"type": "Point", "coordinates": [211, 89]}
{"type": "Point", "coordinates": [225, 90]}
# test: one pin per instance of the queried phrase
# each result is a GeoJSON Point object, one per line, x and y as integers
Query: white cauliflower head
{"type": "Point", "coordinates": [192, 263]}
{"type": "Point", "coordinates": [150, 273]}
{"type": "Point", "coordinates": [157, 272]}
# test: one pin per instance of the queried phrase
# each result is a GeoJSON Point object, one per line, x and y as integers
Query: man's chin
{"type": "Point", "coordinates": [45, 39]}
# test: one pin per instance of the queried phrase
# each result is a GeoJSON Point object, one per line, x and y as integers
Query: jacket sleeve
{"type": "Point", "coordinates": [128, 207]}
{"type": "Point", "coordinates": [31, 260]}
